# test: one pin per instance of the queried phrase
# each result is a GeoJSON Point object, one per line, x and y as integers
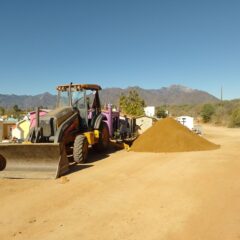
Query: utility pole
{"type": "Point", "coordinates": [221, 93]}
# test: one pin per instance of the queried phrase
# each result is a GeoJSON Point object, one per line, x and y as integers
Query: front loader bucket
{"type": "Point", "coordinates": [36, 160]}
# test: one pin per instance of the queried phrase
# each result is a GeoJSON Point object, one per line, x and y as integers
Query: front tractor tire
{"type": "Point", "coordinates": [80, 149]}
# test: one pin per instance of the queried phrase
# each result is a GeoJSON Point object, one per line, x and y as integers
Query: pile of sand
{"type": "Point", "coordinates": [168, 135]}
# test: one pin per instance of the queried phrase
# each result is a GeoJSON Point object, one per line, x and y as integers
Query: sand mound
{"type": "Point", "coordinates": [168, 135]}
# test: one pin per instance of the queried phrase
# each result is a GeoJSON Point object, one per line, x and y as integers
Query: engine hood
{"type": "Point", "coordinates": [59, 115]}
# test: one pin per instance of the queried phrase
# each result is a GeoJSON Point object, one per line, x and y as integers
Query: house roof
{"type": "Point", "coordinates": [10, 120]}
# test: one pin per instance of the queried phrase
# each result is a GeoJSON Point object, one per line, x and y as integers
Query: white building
{"type": "Point", "coordinates": [144, 122]}
{"type": "Point", "coordinates": [149, 111]}
{"type": "Point", "coordinates": [186, 121]}
{"type": "Point", "coordinates": [21, 130]}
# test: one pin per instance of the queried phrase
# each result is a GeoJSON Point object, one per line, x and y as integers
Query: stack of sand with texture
{"type": "Point", "coordinates": [168, 135]}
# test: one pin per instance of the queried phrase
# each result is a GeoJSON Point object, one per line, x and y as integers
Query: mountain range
{"type": "Point", "coordinates": [173, 95]}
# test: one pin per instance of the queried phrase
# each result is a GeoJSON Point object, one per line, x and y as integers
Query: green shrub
{"type": "Point", "coordinates": [207, 111]}
{"type": "Point", "coordinates": [235, 118]}
{"type": "Point", "coordinates": [161, 112]}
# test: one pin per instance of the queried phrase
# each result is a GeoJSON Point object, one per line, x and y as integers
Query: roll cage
{"type": "Point", "coordinates": [77, 95]}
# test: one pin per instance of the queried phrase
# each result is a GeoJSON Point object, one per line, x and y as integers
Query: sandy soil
{"type": "Point", "coordinates": [129, 195]}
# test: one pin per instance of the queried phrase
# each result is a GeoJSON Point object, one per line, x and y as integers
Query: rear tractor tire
{"type": "Point", "coordinates": [80, 149]}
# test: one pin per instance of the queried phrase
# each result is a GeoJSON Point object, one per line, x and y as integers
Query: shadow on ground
{"type": "Point", "coordinates": [93, 156]}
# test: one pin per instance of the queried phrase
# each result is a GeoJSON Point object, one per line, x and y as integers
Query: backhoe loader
{"type": "Point", "coordinates": [65, 133]}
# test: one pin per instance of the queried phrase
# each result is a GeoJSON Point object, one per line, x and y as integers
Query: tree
{"type": "Point", "coordinates": [207, 111]}
{"type": "Point", "coordinates": [132, 104]}
{"type": "Point", "coordinates": [2, 111]}
{"type": "Point", "coordinates": [15, 111]}
{"type": "Point", "coordinates": [16, 108]}
{"type": "Point", "coordinates": [161, 112]}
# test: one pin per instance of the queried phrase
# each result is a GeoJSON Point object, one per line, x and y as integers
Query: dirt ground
{"type": "Point", "coordinates": [128, 195]}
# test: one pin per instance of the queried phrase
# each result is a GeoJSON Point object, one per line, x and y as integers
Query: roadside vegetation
{"type": "Point", "coordinates": [225, 113]}
{"type": "Point", "coordinates": [14, 112]}
{"type": "Point", "coordinates": [222, 113]}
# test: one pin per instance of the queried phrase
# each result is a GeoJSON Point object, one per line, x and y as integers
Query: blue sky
{"type": "Point", "coordinates": [120, 43]}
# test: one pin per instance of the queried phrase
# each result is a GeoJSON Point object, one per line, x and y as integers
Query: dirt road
{"type": "Point", "coordinates": [129, 195]}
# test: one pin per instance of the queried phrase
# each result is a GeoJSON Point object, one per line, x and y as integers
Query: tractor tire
{"type": "Point", "coordinates": [103, 142]}
{"type": "Point", "coordinates": [2, 163]}
{"type": "Point", "coordinates": [80, 149]}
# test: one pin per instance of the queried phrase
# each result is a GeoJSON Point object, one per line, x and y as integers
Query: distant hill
{"type": "Point", "coordinates": [173, 95]}
{"type": "Point", "coordinates": [45, 100]}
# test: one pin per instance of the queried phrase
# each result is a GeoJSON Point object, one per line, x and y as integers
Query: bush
{"type": "Point", "coordinates": [161, 112]}
{"type": "Point", "coordinates": [235, 118]}
{"type": "Point", "coordinates": [207, 111]}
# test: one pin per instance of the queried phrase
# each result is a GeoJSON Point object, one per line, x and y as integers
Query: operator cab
{"type": "Point", "coordinates": [83, 98]}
